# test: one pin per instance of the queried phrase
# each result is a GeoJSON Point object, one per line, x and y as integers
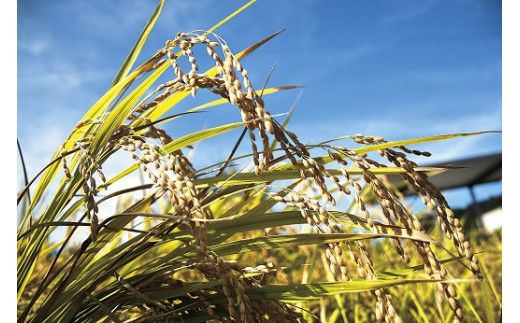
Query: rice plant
{"type": "Point", "coordinates": [300, 233]}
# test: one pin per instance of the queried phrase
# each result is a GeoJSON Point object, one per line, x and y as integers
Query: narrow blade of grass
{"type": "Point", "coordinates": [138, 46]}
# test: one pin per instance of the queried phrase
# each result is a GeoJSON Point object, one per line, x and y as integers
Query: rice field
{"type": "Point", "coordinates": [300, 233]}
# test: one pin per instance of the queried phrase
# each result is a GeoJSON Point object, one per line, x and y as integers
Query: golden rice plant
{"type": "Point", "coordinates": [301, 233]}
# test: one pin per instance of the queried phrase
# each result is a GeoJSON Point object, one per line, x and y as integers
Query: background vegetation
{"type": "Point", "coordinates": [289, 232]}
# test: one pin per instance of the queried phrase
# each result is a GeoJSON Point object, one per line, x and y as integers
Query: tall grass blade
{"type": "Point", "coordinates": [138, 46]}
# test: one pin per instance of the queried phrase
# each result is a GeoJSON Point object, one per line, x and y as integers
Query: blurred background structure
{"type": "Point", "coordinates": [469, 174]}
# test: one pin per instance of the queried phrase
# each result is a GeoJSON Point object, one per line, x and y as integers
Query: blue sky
{"type": "Point", "coordinates": [397, 69]}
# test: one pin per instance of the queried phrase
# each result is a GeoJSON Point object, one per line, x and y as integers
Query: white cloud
{"type": "Point", "coordinates": [38, 150]}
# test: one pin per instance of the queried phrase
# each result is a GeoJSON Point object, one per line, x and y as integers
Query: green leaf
{"type": "Point", "coordinates": [306, 292]}
{"type": "Point", "coordinates": [121, 112]}
{"type": "Point", "coordinates": [291, 240]}
{"type": "Point", "coordinates": [279, 175]}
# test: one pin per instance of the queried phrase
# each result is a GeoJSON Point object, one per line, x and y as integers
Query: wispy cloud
{"type": "Point", "coordinates": [393, 129]}
{"type": "Point", "coordinates": [60, 76]}
{"type": "Point", "coordinates": [38, 150]}
{"type": "Point", "coordinates": [455, 75]}
{"type": "Point", "coordinates": [52, 98]}
{"type": "Point", "coordinates": [415, 10]}
{"type": "Point", "coordinates": [491, 120]}
{"type": "Point", "coordinates": [36, 46]}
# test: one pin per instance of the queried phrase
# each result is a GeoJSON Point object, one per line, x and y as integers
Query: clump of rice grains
{"type": "Point", "coordinates": [173, 175]}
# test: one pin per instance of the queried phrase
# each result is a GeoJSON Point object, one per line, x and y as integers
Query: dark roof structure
{"type": "Point", "coordinates": [464, 173]}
